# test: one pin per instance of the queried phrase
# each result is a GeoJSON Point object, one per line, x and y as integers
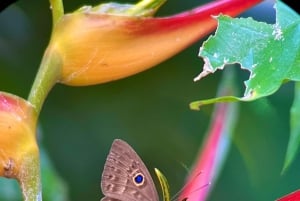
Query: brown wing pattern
{"type": "Point", "coordinates": [121, 167]}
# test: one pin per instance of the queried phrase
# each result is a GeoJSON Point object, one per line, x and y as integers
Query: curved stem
{"type": "Point", "coordinates": [57, 8]}
{"type": "Point", "coordinates": [46, 77]}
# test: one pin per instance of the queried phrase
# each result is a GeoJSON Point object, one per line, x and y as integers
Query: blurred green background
{"type": "Point", "coordinates": [150, 111]}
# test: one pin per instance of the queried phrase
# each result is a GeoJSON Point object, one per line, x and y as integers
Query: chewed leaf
{"type": "Point", "coordinates": [270, 52]}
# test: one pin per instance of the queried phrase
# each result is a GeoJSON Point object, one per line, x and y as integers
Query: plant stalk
{"type": "Point", "coordinates": [30, 178]}
{"type": "Point", "coordinates": [47, 76]}
{"type": "Point", "coordinates": [57, 8]}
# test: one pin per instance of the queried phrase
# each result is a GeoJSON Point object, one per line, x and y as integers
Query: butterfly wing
{"type": "Point", "coordinates": [109, 199]}
{"type": "Point", "coordinates": [125, 176]}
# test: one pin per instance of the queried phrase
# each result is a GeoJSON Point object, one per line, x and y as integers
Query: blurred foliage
{"type": "Point", "coordinates": [150, 111]}
{"type": "Point", "coordinates": [9, 190]}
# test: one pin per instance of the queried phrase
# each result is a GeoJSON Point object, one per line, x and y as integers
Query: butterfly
{"type": "Point", "coordinates": [126, 178]}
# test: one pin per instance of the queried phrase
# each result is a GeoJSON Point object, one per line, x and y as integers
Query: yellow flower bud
{"type": "Point", "coordinates": [18, 147]}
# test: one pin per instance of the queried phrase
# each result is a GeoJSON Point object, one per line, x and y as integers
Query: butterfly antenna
{"type": "Point", "coordinates": [174, 197]}
{"type": "Point", "coordinates": [194, 191]}
{"type": "Point", "coordinates": [184, 166]}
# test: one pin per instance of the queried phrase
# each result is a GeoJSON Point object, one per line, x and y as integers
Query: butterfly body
{"type": "Point", "coordinates": [125, 176]}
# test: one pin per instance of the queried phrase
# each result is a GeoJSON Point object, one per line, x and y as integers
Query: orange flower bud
{"type": "Point", "coordinates": [95, 48]}
{"type": "Point", "coordinates": [18, 147]}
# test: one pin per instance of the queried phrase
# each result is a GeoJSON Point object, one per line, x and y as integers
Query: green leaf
{"type": "Point", "coordinates": [270, 52]}
{"type": "Point", "coordinates": [294, 141]}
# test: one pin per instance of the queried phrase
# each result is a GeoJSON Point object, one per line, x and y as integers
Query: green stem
{"type": "Point", "coordinates": [57, 8]}
{"type": "Point", "coordinates": [30, 178]}
{"type": "Point", "coordinates": [46, 77]}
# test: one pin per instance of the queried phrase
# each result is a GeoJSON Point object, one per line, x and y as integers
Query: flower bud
{"type": "Point", "coordinates": [95, 47]}
{"type": "Point", "coordinates": [18, 147]}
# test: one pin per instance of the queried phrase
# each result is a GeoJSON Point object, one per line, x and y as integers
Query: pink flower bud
{"type": "Point", "coordinates": [94, 48]}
